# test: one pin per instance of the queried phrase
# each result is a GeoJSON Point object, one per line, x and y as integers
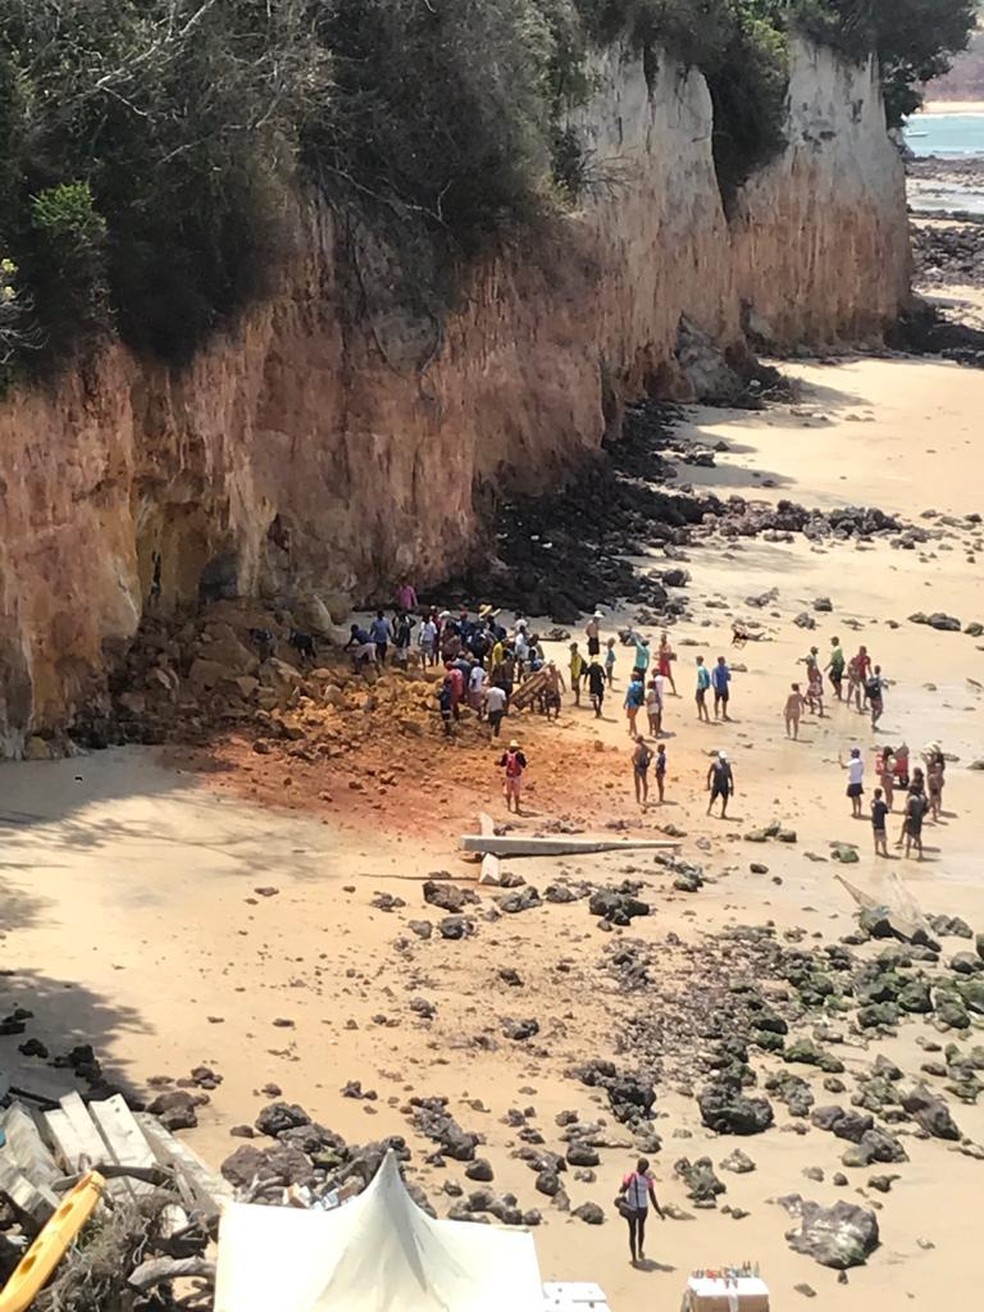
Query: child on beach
{"type": "Point", "coordinates": [610, 661]}
{"type": "Point", "coordinates": [879, 821]}
{"type": "Point", "coordinates": [792, 712]}
{"type": "Point", "coordinates": [660, 771]}
{"type": "Point", "coordinates": [654, 705]}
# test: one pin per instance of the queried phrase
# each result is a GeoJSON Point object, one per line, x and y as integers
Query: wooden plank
{"type": "Point", "coordinates": [25, 1147]}
{"type": "Point", "coordinates": [208, 1189]}
{"type": "Point", "coordinates": [82, 1152]}
{"type": "Point", "coordinates": [529, 689]}
{"type": "Point", "coordinates": [69, 1151]}
{"type": "Point", "coordinates": [87, 1134]}
{"type": "Point", "coordinates": [37, 1201]}
{"type": "Point", "coordinates": [124, 1138]}
{"type": "Point", "coordinates": [518, 845]}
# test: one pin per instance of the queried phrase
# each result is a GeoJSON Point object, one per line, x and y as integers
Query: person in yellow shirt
{"type": "Point", "coordinates": [578, 668]}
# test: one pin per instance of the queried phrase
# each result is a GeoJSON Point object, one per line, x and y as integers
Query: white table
{"type": "Point", "coordinates": [746, 1294]}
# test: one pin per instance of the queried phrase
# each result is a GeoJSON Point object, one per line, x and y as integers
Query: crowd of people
{"type": "Point", "coordinates": [487, 668]}
{"type": "Point", "coordinates": [858, 683]}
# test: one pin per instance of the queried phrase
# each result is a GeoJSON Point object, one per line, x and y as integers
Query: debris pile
{"type": "Point", "coordinates": [158, 1213]}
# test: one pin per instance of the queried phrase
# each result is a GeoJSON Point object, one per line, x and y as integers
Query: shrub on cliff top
{"type": "Point", "coordinates": [150, 149]}
{"type": "Point", "coordinates": [914, 40]}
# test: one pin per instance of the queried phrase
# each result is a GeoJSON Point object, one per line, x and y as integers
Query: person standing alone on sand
{"type": "Point", "coordinates": [855, 780]}
{"type": "Point", "coordinates": [721, 782]}
{"type": "Point", "coordinates": [793, 711]}
{"type": "Point", "coordinates": [514, 763]}
{"type": "Point", "coordinates": [703, 683]}
{"type": "Point", "coordinates": [935, 774]}
{"type": "Point", "coordinates": [637, 1191]}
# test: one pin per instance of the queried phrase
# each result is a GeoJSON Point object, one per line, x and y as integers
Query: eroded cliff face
{"type": "Point", "coordinates": [307, 456]}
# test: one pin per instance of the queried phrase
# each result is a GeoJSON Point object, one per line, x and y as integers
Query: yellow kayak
{"type": "Point", "coordinates": [35, 1267]}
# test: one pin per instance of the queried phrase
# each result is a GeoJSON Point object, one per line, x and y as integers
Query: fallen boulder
{"type": "Point", "coordinates": [841, 1236]}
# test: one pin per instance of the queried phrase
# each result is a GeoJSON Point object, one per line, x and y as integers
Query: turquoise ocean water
{"type": "Point", "coordinates": [946, 134]}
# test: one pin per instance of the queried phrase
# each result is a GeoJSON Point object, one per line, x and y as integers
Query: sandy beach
{"type": "Point", "coordinates": [952, 107]}
{"type": "Point", "coordinates": [132, 918]}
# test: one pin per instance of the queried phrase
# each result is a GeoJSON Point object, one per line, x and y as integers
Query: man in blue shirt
{"type": "Point", "coordinates": [720, 678]}
{"type": "Point", "coordinates": [703, 683]}
{"type": "Point", "coordinates": [381, 633]}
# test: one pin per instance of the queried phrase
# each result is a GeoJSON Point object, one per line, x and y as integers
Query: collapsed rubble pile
{"type": "Point", "coordinates": [187, 678]}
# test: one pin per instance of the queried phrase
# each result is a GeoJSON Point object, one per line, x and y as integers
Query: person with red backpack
{"type": "Point", "coordinates": [514, 763]}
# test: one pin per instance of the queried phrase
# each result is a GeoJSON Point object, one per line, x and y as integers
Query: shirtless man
{"type": "Point", "coordinates": [592, 631]}
{"type": "Point", "coordinates": [555, 686]}
{"type": "Point", "coordinates": [664, 661]}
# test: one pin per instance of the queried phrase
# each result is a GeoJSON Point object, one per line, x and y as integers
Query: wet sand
{"type": "Point", "coordinates": [136, 886]}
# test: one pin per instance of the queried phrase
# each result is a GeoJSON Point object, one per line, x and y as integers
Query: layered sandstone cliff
{"type": "Point", "coordinates": [308, 453]}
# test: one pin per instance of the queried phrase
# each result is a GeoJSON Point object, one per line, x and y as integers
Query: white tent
{"type": "Point", "coordinates": [377, 1253]}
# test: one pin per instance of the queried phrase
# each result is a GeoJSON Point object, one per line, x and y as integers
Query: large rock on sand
{"type": "Point", "coordinates": [838, 1236]}
{"type": "Point", "coordinates": [726, 1110]}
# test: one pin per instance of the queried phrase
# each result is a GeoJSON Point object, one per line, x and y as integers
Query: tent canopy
{"type": "Point", "coordinates": [377, 1253]}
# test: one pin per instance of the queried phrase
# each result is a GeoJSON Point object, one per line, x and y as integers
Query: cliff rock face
{"type": "Point", "coordinates": [310, 455]}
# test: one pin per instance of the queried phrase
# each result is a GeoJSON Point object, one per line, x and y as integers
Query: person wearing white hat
{"type": "Point", "coordinates": [593, 632]}
{"type": "Point", "coordinates": [720, 782]}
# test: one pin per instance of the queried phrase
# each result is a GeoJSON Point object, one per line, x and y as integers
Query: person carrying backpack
{"type": "Point", "coordinates": [635, 1194]}
{"type": "Point", "coordinates": [874, 689]}
{"type": "Point", "coordinates": [514, 763]}
{"type": "Point", "coordinates": [721, 782]}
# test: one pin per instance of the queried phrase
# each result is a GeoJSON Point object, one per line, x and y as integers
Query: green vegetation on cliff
{"type": "Point", "coordinates": [151, 150]}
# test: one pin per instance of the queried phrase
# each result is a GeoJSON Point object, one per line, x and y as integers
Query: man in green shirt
{"type": "Point", "coordinates": [835, 667]}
